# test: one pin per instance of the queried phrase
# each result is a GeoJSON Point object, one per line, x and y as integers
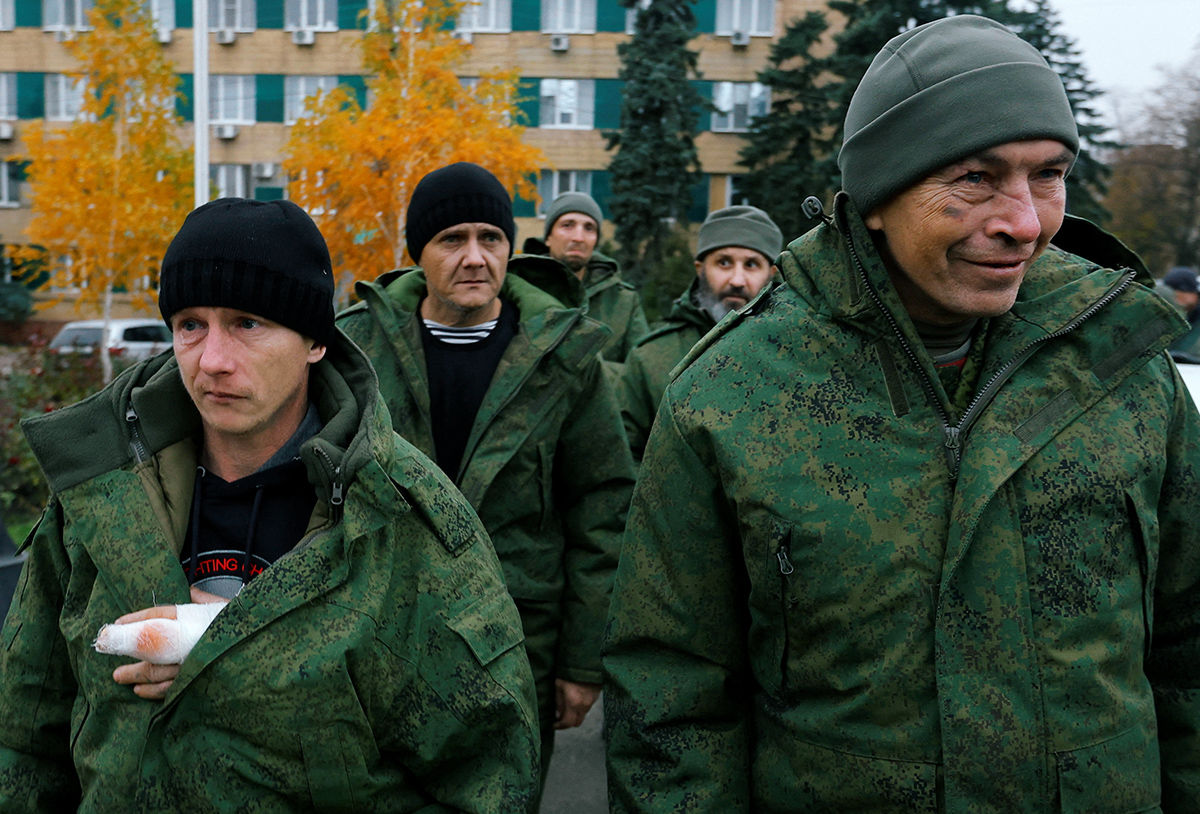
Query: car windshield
{"type": "Point", "coordinates": [76, 337]}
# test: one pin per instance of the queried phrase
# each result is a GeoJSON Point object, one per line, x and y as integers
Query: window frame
{"type": "Point", "coordinates": [221, 174]}
{"type": "Point", "coordinates": [217, 98]}
{"type": "Point", "coordinates": [64, 90]}
{"type": "Point", "coordinates": [294, 98]}
{"type": "Point", "coordinates": [245, 15]}
{"type": "Point", "coordinates": [583, 111]}
{"type": "Point", "coordinates": [550, 185]}
{"type": "Point", "coordinates": [726, 121]}
{"type": "Point", "coordinates": [79, 8]}
{"type": "Point", "coordinates": [497, 12]}
{"type": "Point", "coordinates": [757, 12]}
{"type": "Point", "coordinates": [555, 12]}
{"type": "Point", "coordinates": [295, 15]}
{"type": "Point", "coordinates": [10, 185]}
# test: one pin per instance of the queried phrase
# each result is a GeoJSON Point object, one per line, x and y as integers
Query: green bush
{"type": "Point", "coordinates": [16, 303]}
{"type": "Point", "coordinates": [40, 381]}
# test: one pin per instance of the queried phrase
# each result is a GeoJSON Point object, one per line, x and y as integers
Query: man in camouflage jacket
{"type": "Point", "coordinates": [735, 250]}
{"type": "Point", "coordinates": [376, 666]}
{"type": "Point", "coordinates": [855, 579]}
{"type": "Point", "coordinates": [545, 462]}
{"type": "Point", "coordinates": [573, 221]}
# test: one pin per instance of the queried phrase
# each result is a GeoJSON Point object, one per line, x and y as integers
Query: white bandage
{"type": "Point", "coordinates": [159, 641]}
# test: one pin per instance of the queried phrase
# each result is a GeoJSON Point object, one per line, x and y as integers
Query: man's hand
{"type": "Point", "coordinates": [572, 701]}
{"type": "Point", "coordinates": [152, 681]}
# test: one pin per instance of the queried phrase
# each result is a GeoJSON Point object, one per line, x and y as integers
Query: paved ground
{"type": "Point", "coordinates": [576, 782]}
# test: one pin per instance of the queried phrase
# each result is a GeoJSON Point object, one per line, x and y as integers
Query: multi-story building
{"type": "Point", "coordinates": [266, 56]}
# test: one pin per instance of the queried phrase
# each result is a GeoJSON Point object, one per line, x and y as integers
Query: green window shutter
{"type": "Point", "coordinates": [703, 116]}
{"type": "Point", "coordinates": [185, 102]}
{"type": "Point", "coordinates": [706, 16]}
{"type": "Point", "coordinates": [31, 95]}
{"type": "Point", "coordinates": [526, 15]}
{"type": "Point", "coordinates": [28, 13]}
{"type": "Point", "coordinates": [608, 103]}
{"type": "Point", "coordinates": [602, 191]}
{"type": "Point", "coordinates": [268, 193]}
{"type": "Point", "coordinates": [183, 13]}
{"type": "Point", "coordinates": [270, 13]}
{"type": "Point", "coordinates": [610, 16]}
{"type": "Point", "coordinates": [358, 84]}
{"type": "Point", "coordinates": [698, 207]}
{"type": "Point", "coordinates": [528, 101]}
{"type": "Point", "coordinates": [268, 97]}
{"type": "Point", "coordinates": [347, 14]}
{"type": "Point", "coordinates": [523, 208]}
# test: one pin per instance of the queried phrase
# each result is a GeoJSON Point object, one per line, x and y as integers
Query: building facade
{"type": "Point", "coordinates": [266, 56]}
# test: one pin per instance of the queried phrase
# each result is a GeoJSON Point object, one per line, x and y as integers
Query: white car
{"type": "Point", "coordinates": [133, 339]}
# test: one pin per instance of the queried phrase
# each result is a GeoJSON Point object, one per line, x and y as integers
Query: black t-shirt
{"type": "Point", "coordinates": [459, 376]}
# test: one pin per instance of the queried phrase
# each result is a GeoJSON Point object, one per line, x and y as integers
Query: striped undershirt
{"type": "Point", "coordinates": [460, 336]}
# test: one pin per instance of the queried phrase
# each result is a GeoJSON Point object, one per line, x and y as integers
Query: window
{"type": "Point", "coordinates": [10, 183]}
{"type": "Point", "coordinates": [297, 90]}
{"type": "Point", "coordinates": [755, 17]}
{"type": "Point", "coordinates": [568, 103]}
{"type": "Point", "coordinates": [231, 99]}
{"type": "Point", "coordinates": [231, 180]}
{"type": "Point", "coordinates": [162, 12]}
{"type": "Point", "coordinates": [734, 196]}
{"type": "Point", "coordinates": [61, 15]}
{"type": "Point", "coordinates": [553, 183]}
{"type": "Point", "coordinates": [316, 14]}
{"type": "Point", "coordinates": [569, 16]}
{"type": "Point", "coordinates": [631, 15]}
{"type": "Point", "coordinates": [738, 103]}
{"type": "Point", "coordinates": [8, 96]}
{"type": "Point", "coordinates": [486, 15]}
{"type": "Point", "coordinates": [8, 17]}
{"type": "Point", "coordinates": [64, 97]}
{"type": "Point", "coordinates": [235, 15]}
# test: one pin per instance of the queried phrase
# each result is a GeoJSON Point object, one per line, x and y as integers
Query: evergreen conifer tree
{"type": "Point", "coordinates": [656, 163]}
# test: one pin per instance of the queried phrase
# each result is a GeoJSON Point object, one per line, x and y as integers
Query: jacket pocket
{"type": "Point", "coordinates": [1116, 776]}
{"type": "Point", "coordinates": [334, 767]}
{"type": "Point", "coordinates": [490, 627]}
{"type": "Point", "coordinates": [1147, 564]}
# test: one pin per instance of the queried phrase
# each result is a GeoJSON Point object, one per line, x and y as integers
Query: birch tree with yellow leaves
{"type": "Point", "coordinates": [110, 188]}
{"type": "Point", "coordinates": [354, 167]}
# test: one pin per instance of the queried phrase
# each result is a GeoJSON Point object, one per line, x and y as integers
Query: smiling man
{"type": "Point", "coordinates": [916, 531]}
{"type": "Point", "coordinates": [490, 366]}
{"type": "Point", "coordinates": [365, 655]}
{"type": "Point", "coordinates": [735, 252]}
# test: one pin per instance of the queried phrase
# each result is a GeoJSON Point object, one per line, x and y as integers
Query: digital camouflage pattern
{"type": "Point", "coordinates": [546, 464]}
{"type": "Point", "coordinates": [812, 613]}
{"type": "Point", "coordinates": [610, 300]}
{"type": "Point", "coordinates": [647, 370]}
{"type": "Point", "coordinates": [376, 667]}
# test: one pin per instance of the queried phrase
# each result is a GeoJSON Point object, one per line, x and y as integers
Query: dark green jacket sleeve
{"type": "Point", "coordinates": [593, 493]}
{"type": "Point", "coordinates": [1173, 666]}
{"type": "Point", "coordinates": [37, 687]}
{"type": "Point", "coordinates": [676, 697]}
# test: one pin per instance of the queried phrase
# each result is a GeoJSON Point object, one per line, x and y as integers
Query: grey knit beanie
{"type": "Point", "coordinates": [941, 92]}
{"type": "Point", "coordinates": [264, 257]}
{"type": "Point", "coordinates": [573, 202]}
{"type": "Point", "coordinates": [746, 226]}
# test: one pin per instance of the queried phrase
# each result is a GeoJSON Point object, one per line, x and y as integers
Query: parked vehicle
{"type": "Point", "coordinates": [132, 339]}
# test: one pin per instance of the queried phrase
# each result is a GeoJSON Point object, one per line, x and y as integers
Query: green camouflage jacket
{"type": "Point", "coordinates": [838, 595]}
{"type": "Point", "coordinates": [375, 667]}
{"type": "Point", "coordinates": [610, 300]}
{"type": "Point", "coordinates": [647, 369]}
{"type": "Point", "coordinates": [546, 464]}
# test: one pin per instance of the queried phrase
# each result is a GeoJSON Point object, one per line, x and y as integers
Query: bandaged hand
{"type": "Point", "coordinates": [161, 637]}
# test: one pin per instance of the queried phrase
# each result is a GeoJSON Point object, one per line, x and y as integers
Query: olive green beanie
{"type": "Point", "coordinates": [746, 226]}
{"type": "Point", "coordinates": [573, 202]}
{"type": "Point", "coordinates": [941, 92]}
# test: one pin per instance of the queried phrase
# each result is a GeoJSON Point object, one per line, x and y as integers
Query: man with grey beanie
{"type": "Point", "coordinates": [246, 591]}
{"type": "Point", "coordinates": [572, 233]}
{"type": "Point", "coordinates": [916, 529]}
{"type": "Point", "coordinates": [735, 253]}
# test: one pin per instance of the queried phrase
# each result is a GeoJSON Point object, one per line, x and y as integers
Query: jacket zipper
{"type": "Point", "coordinates": [137, 444]}
{"type": "Point", "coordinates": [786, 569]}
{"type": "Point", "coordinates": [335, 487]}
{"type": "Point", "coordinates": [955, 435]}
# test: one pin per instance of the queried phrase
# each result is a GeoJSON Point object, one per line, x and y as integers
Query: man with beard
{"type": "Point", "coordinates": [734, 253]}
{"type": "Point", "coordinates": [573, 222]}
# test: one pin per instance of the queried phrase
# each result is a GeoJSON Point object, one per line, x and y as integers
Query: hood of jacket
{"type": "Point", "coordinates": [146, 409]}
{"type": "Point", "coordinates": [602, 270]}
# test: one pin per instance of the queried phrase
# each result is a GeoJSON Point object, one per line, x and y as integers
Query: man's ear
{"type": "Point", "coordinates": [873, 221]}
{"type": "Point", "coordinates": [699, 267]}
{"type": "Point", "coordinates": [316, 353]}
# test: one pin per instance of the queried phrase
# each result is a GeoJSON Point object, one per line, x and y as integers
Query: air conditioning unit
{"type": "Point", "coordinates": [225, 131]}
{"type": "Point", "coordinates": [739, 39]}
{"type": "Point", "coordinates": [264, 170]}
{"type": "Point", "coordinates": [7, 131]}
{"type": "Point", "coordinates": [163, 35]}
{"type": "Point", "coordinates": [64, 34]}
{"type": "Point", "coordinates": [304, 36]}
{"type": "Point", "coordinates": [226, 36]}
{"type": "Point", "coordinates": [559, 42]}
{"type": "Point", "coordinates": [466, 36]}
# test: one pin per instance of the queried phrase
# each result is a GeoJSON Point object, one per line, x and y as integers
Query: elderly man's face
{"type": "Point", "coordinates": [958, 243]}
{"type": "Point", "coordinates": [465, 266]}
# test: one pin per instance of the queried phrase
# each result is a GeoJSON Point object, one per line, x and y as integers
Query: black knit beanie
{"type": "Point", "coordinates": [458, 193]}
{"type": "Point", "coordinates": [941, 92]}
{"type": "Point", "coordinates": [263, 257]}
